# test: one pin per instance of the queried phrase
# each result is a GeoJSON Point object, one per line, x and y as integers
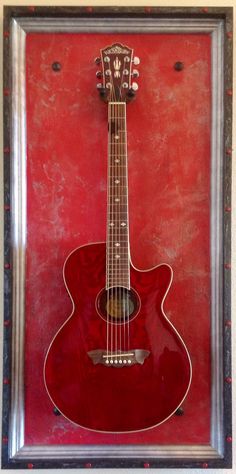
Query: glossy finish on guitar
{"type": "Point", "coordinates": [114, 399]}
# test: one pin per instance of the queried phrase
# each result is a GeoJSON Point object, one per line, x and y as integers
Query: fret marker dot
{"type": "Point", "coordinates": [117, 161]}
{"type": "Point", "coordinates": [111, 224]}
{"type": "Point", "coordinates": [117, 137]}
{"type": "Point", "coordinates": [117, 200]}
{"type": "Point", "coordinates": [117, 256]}
{"type": "Point", "coordinates": [117, 244]}
{"type": "Point", "coordinates": [123, 224]}
{"type": "Point", "coordinates": [117, 181]}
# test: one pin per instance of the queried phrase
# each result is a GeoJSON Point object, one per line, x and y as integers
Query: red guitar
{"type": "Point", "coordinates": [117, 364]}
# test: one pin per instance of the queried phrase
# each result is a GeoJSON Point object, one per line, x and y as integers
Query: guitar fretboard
{"type": "Point", "coordinates": [118, 261]}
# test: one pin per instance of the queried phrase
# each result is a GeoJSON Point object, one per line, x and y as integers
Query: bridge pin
{"type": "Point", "coordinates": [107, 361]}
{"type": "Point", "coordinates": [125, 361]}
{"type": "Point", "coordinates": [120, 361]}
{"type": "Point", "coordinates": [116, 361]}
{"type": "Point", "coordinates": [111, 361]}
{"type": "Point", "coordinates": [129, 361]}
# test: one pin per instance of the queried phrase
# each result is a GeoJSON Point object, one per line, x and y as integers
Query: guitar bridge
{"type": "Point", "coordinates": [118, 358]}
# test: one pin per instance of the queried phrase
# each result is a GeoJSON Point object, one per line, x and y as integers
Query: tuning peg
{"type": "Point", "coordinates": [99, 74]}
{"type": "Point", "coordinates": [97, 60]}
{"type": "Point", "coordinates": [99, 86]}
{"type": "Point", "coordinates": [135, 73]}
{"type": "Point", "coordinates": [134, 86]}
{"type": "Point", "coordinates": [136, 60]}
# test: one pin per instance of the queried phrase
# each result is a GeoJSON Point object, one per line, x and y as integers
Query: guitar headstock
{"type": "Point", "coordinates": [117, 73]}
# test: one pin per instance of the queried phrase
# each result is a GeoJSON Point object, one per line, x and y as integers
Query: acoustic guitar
{"type": "Point", "coordinates": [117, 364]}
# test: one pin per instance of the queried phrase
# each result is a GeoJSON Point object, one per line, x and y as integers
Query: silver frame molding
{"type": "Point", "coordinates": [19, 29]}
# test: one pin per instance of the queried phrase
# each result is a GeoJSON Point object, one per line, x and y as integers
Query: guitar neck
{"type": "Point", "coordinates": [118, 261]}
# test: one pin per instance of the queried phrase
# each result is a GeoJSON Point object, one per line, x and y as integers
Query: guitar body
{"type": "Point", "coordinates": [112, 398]}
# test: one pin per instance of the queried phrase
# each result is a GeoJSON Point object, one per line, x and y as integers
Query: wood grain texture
{"type": "Point", "coordinates": [106, 398]}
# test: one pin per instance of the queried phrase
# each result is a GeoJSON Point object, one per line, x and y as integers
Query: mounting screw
{"type": "Point", "coordinates": [205, 465]}
{"type": "Point", "coordinates": [179, 411]}
{"type": "Point", "coordinates": [56, 66]}
{"type": "Point", "coordinates": [229, 439]}
{"type": "Point", "coordinates": [146, 465]}
{"type": "Point", "coordinates": [179, 66]}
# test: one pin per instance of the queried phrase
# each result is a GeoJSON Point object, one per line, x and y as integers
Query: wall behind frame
{"type": "Point", "coordinates": [218, 3]}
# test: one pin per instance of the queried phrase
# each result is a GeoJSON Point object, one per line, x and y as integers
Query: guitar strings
{"type": "Point", "coordinates": [117, 267]}
{"type": "Point", "coordinates": [108, 233]}
{"type": "Point", "coordinates": [112, 215]}
{"type": "Point", "coordinates": [127, 212]}
{"type": "Point", "coordinates": [119, 220]}
{"type": "Point", "coordinates": [111, 219]}
{"type": "Point", "coordinates": [117, 193]}
{"type": "Point", "coordinates": [122, 161]}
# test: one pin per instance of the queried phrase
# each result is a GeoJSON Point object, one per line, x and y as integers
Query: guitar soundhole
{"type": "Point", "coordinates": [118, 305]}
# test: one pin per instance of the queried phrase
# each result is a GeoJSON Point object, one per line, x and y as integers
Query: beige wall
{"type": "Point", "coordinates": [136, 3]}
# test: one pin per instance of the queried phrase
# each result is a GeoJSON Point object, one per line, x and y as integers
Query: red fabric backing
{"type": "Point", "coordinates": [169, 197]}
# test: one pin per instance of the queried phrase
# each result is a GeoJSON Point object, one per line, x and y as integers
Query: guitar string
{"type": "Point", "coordinates": [127, 236]}
{"type": "Point", "coordinates": [119, 167]}
{"type": "Point", "coordinates": [126, 208]}
{"type": "Point", "coordinates": [123, 167]}
{"type": "Point", "coordinates": [116, 233]}
{"type": "Point", "coordinates": [110, 220]}
{"type": "Point", "coordinates": [122, 277]}
{"type": "Point", "coordinates": [108, 234]}
{"type": "Point", "coordinates": [111, 233]}
{"type": "Point", "coordinates": [118, 222]}
{"type": "Point", "coordinates": [122, 160]}
{"type": "Point", "coordinates": [116, 263]}
{"type": "Point", "coordinates": [111, 243]}
{"type": "Point", "coordinates": [118, 229]}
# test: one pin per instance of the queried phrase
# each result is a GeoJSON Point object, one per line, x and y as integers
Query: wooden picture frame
{"type": "Point", "coordinates": [18, 23]}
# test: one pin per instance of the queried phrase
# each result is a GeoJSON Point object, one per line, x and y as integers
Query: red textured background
{"type": "Point", "coordinates": [169, 196]}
